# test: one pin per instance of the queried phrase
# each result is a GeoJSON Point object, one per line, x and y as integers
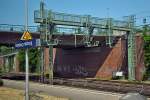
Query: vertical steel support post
{"type": "Point", "coordinates": [42, 64]}
{"type": "Point", "coordinates": [51, 76]}
{"type": "Point", "coordinates": [131, 50]}
{"type": "Point", "coordinates": [51, 66]}
{"type": "Point", "coordinates": [6, 64]}
{"type": "Point", "coordinates": [75, 40]}
{"type": "Point", "coordinates": [51, 29]}
{"type": "Point", "coordinates": [109, 32]}
{"type": "Point", "coordinates": [42, 37]}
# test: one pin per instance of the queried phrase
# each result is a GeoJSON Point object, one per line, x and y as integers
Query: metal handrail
{"type": "Point", "coordinates": [17, 28]}
{"type": "Point", "coordinates": [80, 20]}
{"type": "Point", "coordinates": [9, 52]}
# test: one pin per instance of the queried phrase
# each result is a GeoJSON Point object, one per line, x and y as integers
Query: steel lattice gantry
{"type": "Point", "coordinates": [87, 26]}
{"type": "Point", "coordinates": [80, 24]}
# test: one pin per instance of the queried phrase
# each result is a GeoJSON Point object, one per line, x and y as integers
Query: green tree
{"type": "Point", "coordinates": [4, 49]}
{"type": "Point", "coordinates": [147, 56]}
{"type": "Point", "coordinates": [21, 57]}
{"type": "Point", "coordinates": [146, 37]}
{"type": "Point", "coordinates": [34, 59]}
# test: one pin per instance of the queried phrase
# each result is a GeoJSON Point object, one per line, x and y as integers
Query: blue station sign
{"type": "Point", "coordinates": [27, 43]}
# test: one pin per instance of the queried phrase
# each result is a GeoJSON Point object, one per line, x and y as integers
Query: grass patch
{"type": "Point", "coordinates": [14, 94]}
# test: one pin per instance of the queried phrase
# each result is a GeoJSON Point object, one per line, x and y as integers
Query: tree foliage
{"type": "Point", "coordinates": [147, 56]}
{"type": "Point", "coordinates": [4, 49]}
{"type": "Point", "coordinates": [34, 59]}
{"type": "Point", "coordinates": [146, 36]}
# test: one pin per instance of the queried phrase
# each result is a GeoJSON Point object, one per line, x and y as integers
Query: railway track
{"type": "Point", "coordinates": [121, 87]}
{"type": "Point", "coordinates": [111, 86]}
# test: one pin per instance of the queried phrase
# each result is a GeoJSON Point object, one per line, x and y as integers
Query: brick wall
{"type": "Point", "coordinates": [91, 62]}
{"type": "Point", "coordinates": [140, 68]}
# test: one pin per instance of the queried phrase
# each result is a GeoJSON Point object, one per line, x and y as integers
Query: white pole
{"type": "Point", "coordinates": [26, 55]}
{"type": "Point", "coordinates": [26, 15]}
{"type": "Point", "coordinates": [75, 40]}
{"type": "Point", "coordinates": [27, 76]}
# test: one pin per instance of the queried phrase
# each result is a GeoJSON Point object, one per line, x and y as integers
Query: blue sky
{"type": "Point", "coordinates": [12, 11]}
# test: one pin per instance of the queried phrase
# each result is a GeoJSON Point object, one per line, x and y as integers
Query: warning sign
{"type": "Point", "coordinates": [26, 36]}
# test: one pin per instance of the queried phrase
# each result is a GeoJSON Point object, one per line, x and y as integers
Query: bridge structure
{"type": "Point", "coordinates": [88, 27]}
{"type": "Point", "coordinates": [68, 31]}
{"type": "Point", "coordinates": [64, 37]}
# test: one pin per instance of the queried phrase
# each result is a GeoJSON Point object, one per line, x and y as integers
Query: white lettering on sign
{"type": "Point", "coordinates": [28, 43]}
